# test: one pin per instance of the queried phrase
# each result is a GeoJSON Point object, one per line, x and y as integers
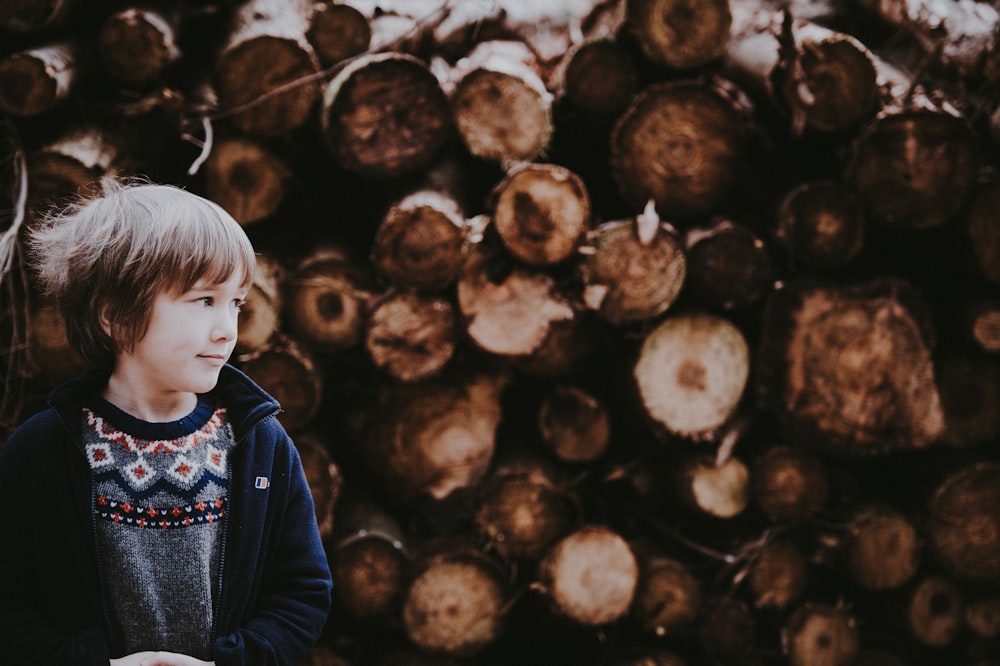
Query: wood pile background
{"type": "Point", "coordinates": [612, 332]}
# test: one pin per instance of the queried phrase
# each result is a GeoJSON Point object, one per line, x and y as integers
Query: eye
{"type": "Point", "coordinates": [207, 301]}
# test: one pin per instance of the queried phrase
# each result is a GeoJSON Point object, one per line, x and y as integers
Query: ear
{"type": "Point", "coordinates": [105, 321]}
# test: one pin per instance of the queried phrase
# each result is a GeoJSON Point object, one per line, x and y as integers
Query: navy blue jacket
{"type": "Point", "coordinates": [276, 583]}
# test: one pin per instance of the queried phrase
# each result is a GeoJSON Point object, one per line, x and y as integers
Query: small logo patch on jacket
{"type": "Point", "coordinates": [260, 483]}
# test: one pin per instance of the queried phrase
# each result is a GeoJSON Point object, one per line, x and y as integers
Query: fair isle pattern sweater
{"type": "Point", "coordinates": [159, 497]}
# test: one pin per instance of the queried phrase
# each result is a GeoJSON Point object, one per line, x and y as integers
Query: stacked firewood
{"type": "Point", "coordinates": [611, 331]}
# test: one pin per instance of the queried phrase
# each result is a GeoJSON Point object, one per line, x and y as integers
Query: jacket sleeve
{"type": "Point", "coordinates": [286, 615]}
{"type": "Point", "coordinates": [45, 617]}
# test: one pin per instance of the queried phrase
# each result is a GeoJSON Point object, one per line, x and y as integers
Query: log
{"type": "Point", "coordinates": [434, 437]}
{"type": "Point", "coordinates": [541, 212]}
{"type": "Point", "coordinates": [821, 225]}
{"type": "Point", "coordinates": [246, 178]}
{"type": "Point", "coordinates": [668, 597]}
{"type": "Point", "coordinates": [385, 115]}
{"type": "Point", "coordinates": [264, 74]}
{"type": "Point", "coordinates": [728, 266]}
{"type": "Point", "coordinates": [260, 315]}
{"type": "Point", "coordinates": [411, 336]}
{"type": "Point", "coordinates": [420, 242]}
{"type": "Point", "coordinates": [960, 35]}
{"type": "Point", "coordinates": [521, 511]}
{"type": "Point", "coordinates": [590, 575]}
{"type": "Point", "coordinates": [778, 575]}
{"type": "Point", "coordinates": [574, 424]}
{"type": "Point", "coordinates": [914, 168]}
{"type": "Point", "coordinates": [982, 616]}
{"type": "Point", "coordinates": [848, 368]}
{"type": "Point", "coordinates": [648, 657]}
{"type": "Point", "coordinates": [969, 386]}
{"type": "Point", "coordinates": [38, 79]}
{"type": "Point", "coordinates": [714, 488]}
{"type": "Point", "coordinates": [984, 327]}
{"type": "Point", "coordinates": [788, 485]}
{"type": "Point", "coordinates": [682, 144]}
{"type": "Point", "coordinates": [680, 34]}
{"type": "Point", "coordinates": [568, 348]}
{"type": "Point", "coordinates": [820, 78]}
{"type": "Point", "coordinates": [509, 309]}
{"type": "Point", "coordinates": [326, 296]}
{"type": "Point", "coordinates": [69, 165]}
{"type": "Point", "coordinates": [32, 16]}
{"type": "Point", "coordinates": [600, 77]}
{"type": "Point", "coordinates": [50, 358]}
{"type": "Point", "coordinates": [963, 522]}
{"type": "Point", "coordinates": [288, 371]}
{"type": "Point", "coordinates": [883, 549]}
{"type": "Point", "coordinates": [501, 107]}
{"type": "Point", "coordinates": [138, 44]}
{"type": "Point", "coordinates": [983, 232]}
{"type": "Point", "coordinates": [324, 656]}
{"type": "Point", "coordinates": [369, 560]}
{"type": "Point", "coordinates": [691, 372]}
{"type": "Point", "coordinates": [726, 630]}
{"type": "Point", "coordinates": [337, 31]}
{"type": "Point", "coordinates": [820, 634]}
{"type": "Point", "coordinates": [635, 271]}
{"type": "Point", "coordinates": [455, 604]}
{"type": "Point", "coordinates": [936, 611]}
{"type": "Point", "coordinates": [324, 477]}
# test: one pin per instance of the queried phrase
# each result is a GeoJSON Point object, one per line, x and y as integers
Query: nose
{"type": "Point", "coordinates": [226, 325]}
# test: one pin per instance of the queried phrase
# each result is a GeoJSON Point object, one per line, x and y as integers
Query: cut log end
{"type": "Point", "coordinates": [819, 634]}
{"type": "Point", "coordinates": [691, 373]}
{"type": "Point", "coordinates": [883, 549]}
{"type": "Point", "coordinates": [680, 34]}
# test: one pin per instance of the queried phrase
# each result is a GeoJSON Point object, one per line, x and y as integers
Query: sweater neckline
{"type": "Point", "coordinates": [154, 431]}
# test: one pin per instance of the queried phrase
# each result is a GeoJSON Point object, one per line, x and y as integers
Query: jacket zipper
{"type": "Point", "coordinates": [228, 525]}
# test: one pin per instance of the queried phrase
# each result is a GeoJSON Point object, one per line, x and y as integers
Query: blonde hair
{"type": "Point", "coordinates": [112, 254]}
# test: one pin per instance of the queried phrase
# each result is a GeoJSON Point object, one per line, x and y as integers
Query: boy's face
{"type": "Point", "coordinates": [190, 337]}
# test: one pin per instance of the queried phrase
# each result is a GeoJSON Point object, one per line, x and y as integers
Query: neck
{"type": "Point", "coordinates": [154, 408]}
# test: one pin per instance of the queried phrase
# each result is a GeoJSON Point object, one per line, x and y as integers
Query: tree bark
{"type": "Point", "coordinates": [385, 115]}
{"type": "Point", "coordinates": [984, 233]}
{"type": "Point", "coordinates": [70, 165]}
{"type": "Point", "coordinates": [325, 480]}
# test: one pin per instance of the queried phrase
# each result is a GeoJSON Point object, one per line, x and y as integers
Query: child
{"type": "Point", "coordinates": [156, 513]}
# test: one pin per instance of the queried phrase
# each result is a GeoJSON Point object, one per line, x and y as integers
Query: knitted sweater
{"type": "Point", "coordinates": [274, 588]}
{"type": "Point", "coordinates": [159, 501]}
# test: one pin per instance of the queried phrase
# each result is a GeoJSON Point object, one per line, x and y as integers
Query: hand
{"type": "Point", "coordinates": [159, 659]}
{"type": "Point", "coordinates": [172, 659]}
